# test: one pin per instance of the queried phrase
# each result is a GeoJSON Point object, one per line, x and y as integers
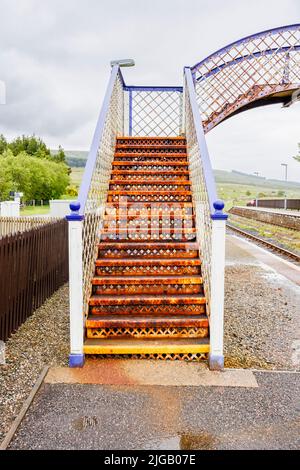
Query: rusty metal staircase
{"type": "Point", "coordinates": [147, 295]}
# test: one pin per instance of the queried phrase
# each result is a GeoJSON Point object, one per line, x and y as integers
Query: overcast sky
{"type": "Point", "coordinates": [55, 54]}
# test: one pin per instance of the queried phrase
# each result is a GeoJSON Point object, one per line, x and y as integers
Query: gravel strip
{"type": "Point", "coordinates": [42, 340]}
{"type": "Point", "coordinates": [262, 324]}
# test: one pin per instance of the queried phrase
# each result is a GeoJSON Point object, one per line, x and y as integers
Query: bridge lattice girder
{"type": "Point", "coordinates": [254, 71]}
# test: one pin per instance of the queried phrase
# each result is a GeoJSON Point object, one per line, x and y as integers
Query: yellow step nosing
{"type": "Point", "coordinates": [124, 348]}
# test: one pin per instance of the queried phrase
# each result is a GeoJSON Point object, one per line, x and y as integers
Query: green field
{"type": "Point", "coordinates": [76, 176]}
{"type": "Point", "coordinates": [35, 210]}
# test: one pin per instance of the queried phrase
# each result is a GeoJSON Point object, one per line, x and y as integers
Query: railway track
{"type": "Point", "coordinates": [261, 241]}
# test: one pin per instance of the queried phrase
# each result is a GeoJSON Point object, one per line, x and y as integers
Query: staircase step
{"type": "Point", "coordinates": [157, 140]}
{"type": "Point", "coordinates": [134, 156]}
{"type": "Point", "coordinates": [153, 208]}
{"type": "Point", "coordinates": [200, 321]}
{"type": "Point", "coordinates": [151, 327]}
{"type": "Point", "coordinates": [131, 187]}
{"type": "Point", "coordinates": [146, 181]}
{"type": "Point", "coordinates": [140, 285]}
{"type": "Point", "coordinates": [148, 266]}
{"type": "Point", "coordinates": [184, 235]}
{"type": "Point", "coordinates": [163, 346]}
{"type": "Point", "coordinates": [168, 311]}
{"type": "Point", "coordinates": [194, 299]}
{"type": "Point", "coordinates": [149, 174]}
{"type": "Point", "coordinates": [127, 216]}
{"type": "Point", "coordinates": [150, 196]}
{"type": "Point", "coordinates": [148, 148]}
{"type": "Point", "coordinates": [136, 280]}
{"type": "Point", "coordinates": [168, 165]}
{"type": "Point", "coordinates": [148, 250]}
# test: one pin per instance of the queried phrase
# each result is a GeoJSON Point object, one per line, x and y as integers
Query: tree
{"type": "Point", "coordinates": [31, 145]}
{"type": "Point", "coordinates": [60, 156]}
{"type": "Point", "coordinates": [3, 144]}
{"type": "Point", "coordinates": [37, 178]}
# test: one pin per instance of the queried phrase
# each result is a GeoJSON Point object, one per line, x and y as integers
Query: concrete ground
{"type": "Point", "coordinates": [122, 417]}
{"type": "Point", "coordinates": [172, 406]}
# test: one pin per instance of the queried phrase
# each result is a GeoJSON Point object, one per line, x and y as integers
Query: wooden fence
{"type": "Point", "coordinates": [33, 265]}
{"type": "Point", "coordinates": [11, 225]}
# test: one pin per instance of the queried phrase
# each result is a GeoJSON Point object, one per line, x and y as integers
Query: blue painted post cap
{"type": "Point", "coordinates": [219, 214]}
{"type": "Point", "coordinates": [75, 216]}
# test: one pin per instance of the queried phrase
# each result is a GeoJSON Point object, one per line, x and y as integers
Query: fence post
{"type": "Point", "coordinates": [216, 356]}
{"type": "Point", "coordinates": [76, 292]}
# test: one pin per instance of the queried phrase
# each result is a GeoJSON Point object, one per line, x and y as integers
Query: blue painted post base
{"type": "Point", "coordinates": [76, 360]}
{"type": "Point", "coordinates": [216, 362]}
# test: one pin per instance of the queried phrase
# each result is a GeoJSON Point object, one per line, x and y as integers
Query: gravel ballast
{"type": "Point", "coordinates": [42, 340]}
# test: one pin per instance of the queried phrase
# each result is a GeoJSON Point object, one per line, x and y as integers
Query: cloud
{"type": "Point", "coordinates": [55, 56]}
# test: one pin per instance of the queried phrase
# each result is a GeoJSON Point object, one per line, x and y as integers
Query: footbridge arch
{"type": "Point", "coordinates": [258, 70]}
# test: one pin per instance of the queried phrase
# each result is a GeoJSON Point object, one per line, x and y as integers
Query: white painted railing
{"type": "Point", "coordinates": [210, 221]}
{"type": "Point", "coordinates": [85, 221]}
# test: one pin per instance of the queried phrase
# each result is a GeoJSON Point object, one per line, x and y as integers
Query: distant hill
{"type": "Point", "coordinates": [75, 158]}
{"type": "Point", "coordinates": [237, 177]}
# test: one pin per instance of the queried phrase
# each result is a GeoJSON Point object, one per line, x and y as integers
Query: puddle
{"type": "Point", "coordinates": [200, 441]}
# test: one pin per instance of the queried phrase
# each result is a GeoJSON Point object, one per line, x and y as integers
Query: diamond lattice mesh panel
{"type": "Point", "coordinates": [200, 198]}
{"type": "Point", "coordinates": [156, 113]}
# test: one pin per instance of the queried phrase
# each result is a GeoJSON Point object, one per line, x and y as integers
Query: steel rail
{"type": "Point", "coordinates": [259, 240]}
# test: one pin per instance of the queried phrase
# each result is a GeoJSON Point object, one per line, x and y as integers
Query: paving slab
{"type": "Point", "coordinates": [139, 372]}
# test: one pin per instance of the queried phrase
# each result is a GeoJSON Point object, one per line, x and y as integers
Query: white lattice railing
{"type": "Point", "coordinates": [210, 221]}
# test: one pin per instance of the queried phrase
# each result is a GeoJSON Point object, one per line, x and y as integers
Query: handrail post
{"type": "Point", "coordinates": [216, 356]}
{"type": "Point", "coordinates": [75, 220]}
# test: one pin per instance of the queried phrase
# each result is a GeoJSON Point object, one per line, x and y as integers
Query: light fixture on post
{"type": "Point", "coordinates": [123, 63]}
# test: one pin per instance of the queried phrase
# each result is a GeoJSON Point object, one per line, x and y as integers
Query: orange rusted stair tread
{"type": "Point", "coordinates": [141, 138]}
{"type": "Point", "coordinates": [191, 299]}
{"type": "Point", "coordinates": [150, 154]}
{"type": "Point", "coordinates": [150, 163]}
{"type": "Point", "coordinates": [147, 346]}
{"type": "Point", "coordinates": [137, 217]}
{"type": "Point", "coordinates": [122, 321]}
{"type": "Point", "coordinates": [159, 205]}
{"type": "Point", "coordinates": [151, 172]}
{"type": "Point", "coordinates": [147, 181]}
{"type": "Point", "coordinates": [146, 193]}
{"type": "Point", "coordinates": [148, 262]}
{"type": "Point", "coordinates": [153, 230]}
{"type": "Point", "coordinates": [151, 146]}
{"type": "Point", "coordinates": [194, 246]}
{"type": "Point", "coordinates": [98, 280]}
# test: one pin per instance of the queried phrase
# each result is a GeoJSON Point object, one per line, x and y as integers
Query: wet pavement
{"type": "Point", "coordinates": [241, 251]}
{"type": "Point", "coordinates": [65, 416]}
